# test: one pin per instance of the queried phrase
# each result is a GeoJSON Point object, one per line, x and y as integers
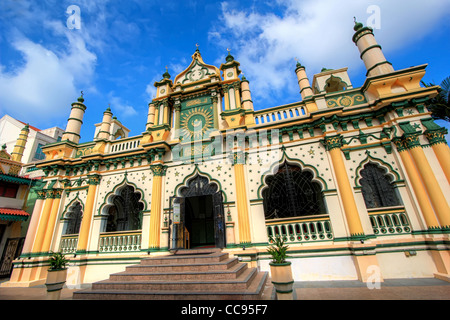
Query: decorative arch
{"type": "Point", "coordinates": [290, 188]}
{"type": "Point", "coordinates": [72, 216]}
{"type": "Point", "coordinates": [194, 175]}
{"type": "Point", "coordinates": [285, 159]}
{"type": "Point", "coordinates": [393, 175]}
{"type": "Point", "coordinates": [334, 84]}
{"type": "Point", "coordinates": [120, 134]}
{"type": "Point", "coordinates": [116, 189]}
{"type": "Point", "coordinates": [123, 207]}
{"type": "Point", "coordinates": [376, 180]}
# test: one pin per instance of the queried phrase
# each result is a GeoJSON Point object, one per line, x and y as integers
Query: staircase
{"type": "Point", "coordinates": [203, 274]}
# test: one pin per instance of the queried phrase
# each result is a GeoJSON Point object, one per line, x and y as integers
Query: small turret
{"type": "Point", "coordinates": [370, 51]}
{"type": "Point", "coordinates": [75, 121]}
{"type": "Point", "coordinates": [17, 153]}
{"type": "Point", "coordinates": [303, 81]}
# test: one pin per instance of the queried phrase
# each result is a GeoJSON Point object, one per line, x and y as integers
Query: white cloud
{"type": "Point", "coordinates": [120, 108]}
{"type": "Point", "coordinates": [318, 33]}
{"type": "Point", "coordinates": [38, 90]}
{"type": "Point", "coordinates": [42, 88]}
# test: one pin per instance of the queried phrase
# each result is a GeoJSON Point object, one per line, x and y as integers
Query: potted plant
{"type": "Point", "coordinates": [56, 275]}
{"type": "Point", "coordinates": [280, 269]}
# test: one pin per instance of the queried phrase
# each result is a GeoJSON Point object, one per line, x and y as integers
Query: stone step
{"type": "Point", "coordinates": [192, 273]}
{"type": "Point", "coordinates": [185, 259]}
{"type": "Point", "coordinates": [253, 292]}
{"type": "Point", "coordinates": [197, 266]}
{"type": "Point", "coordinates": [238, 284]}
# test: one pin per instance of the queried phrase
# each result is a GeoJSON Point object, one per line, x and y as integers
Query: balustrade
{"type": "Point", "coordinates": [299, 230]}
{"type": "Point", "coordinates": [388, 223]}
{"type": "Point", "coordinates": [279, 115]}
{"type": "Point", "coordinates": [68, 244]}
{"type": "Point", "coordinates": [125, 241]}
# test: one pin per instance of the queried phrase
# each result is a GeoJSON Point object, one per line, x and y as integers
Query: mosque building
{"type": "Point", "coordinates": [354, 179]}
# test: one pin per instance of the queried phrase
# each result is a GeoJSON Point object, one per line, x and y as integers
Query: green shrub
{"type": "Point", "coordinates": [57, 261]}
{"type": "Point", "coordinates": [278, 250]}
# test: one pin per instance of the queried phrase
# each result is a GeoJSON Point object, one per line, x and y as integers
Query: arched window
{"type": "Point", "coordinates": [377, 188]}
{"type": "Point", "coordinates": [292, 192]}
{"type": "Point", "coordinates": [126, 211]}
{"type": "Point", "coordinates": [73, 218]}
{"type": "Point", "coordinates": [334, 84]}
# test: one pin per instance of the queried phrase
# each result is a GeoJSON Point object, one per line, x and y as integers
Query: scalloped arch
{"type": "Point", "coordinates": [192, 175]}
{"type": "Point", "coordinates": [116, 190]}
{"type": "Point", "coordinates": [285, 159]}
{"type": "Point", "coordinates": [70, 204]}
{"type": "Point", "coordinates": [380, 163]}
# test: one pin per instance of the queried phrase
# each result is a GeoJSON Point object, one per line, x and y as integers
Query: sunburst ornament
{"type": "Point", "coordinates": [195, 122]}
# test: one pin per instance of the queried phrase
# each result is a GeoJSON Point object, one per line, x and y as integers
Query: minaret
{"type": "Point", "coordinates": [75, 121]}
{"type": "Point", "coordinates": [150, 115]}
{"type": "Point", "coordinates": [370, 51]}
{"type": "Point", "coordinates": [104, 133]}
{"type": "Point", "coordinates": [247, 102]}
{"type": "Point", "coordinates": [303, 82]}
{"type": "Point", "coordinates": [17, 153]}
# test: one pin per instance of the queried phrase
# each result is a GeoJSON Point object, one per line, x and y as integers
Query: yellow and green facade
{"type": "Point", "coordinates": [207, 154]}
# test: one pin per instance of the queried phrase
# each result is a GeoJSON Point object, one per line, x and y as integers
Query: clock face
{"type": "Point", "coordinates": [197, 73]}
{"type": "Point", "coordinates": [195, 122]}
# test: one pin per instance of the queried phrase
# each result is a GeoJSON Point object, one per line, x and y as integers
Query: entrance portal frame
{"type": "Point", "coordinates": [198, 185]}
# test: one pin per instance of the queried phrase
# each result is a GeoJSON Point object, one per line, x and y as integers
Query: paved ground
{"type": "Point", "coordinates": [399, 289]}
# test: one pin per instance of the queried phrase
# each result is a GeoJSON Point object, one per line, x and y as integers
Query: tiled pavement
{"type": "Point", "coordinates": [395, 289]}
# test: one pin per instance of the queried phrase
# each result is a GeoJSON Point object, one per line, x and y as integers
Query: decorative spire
{"type": "Point", "coordinates": [229, 57]}
{"type": "Point", "coordinates": [166, 74]}
{"type": "Point", "coordinates": [358, 25]}
{"type": "Point", "coordinates": [81, 99]}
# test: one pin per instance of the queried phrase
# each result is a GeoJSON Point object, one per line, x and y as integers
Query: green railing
{"type": "Point", "coordinates": [298, 230]}
{"type": "Point", "coordinates": [68, 243]}
{"type": "Point", "coordinates": [389, 222]}
{"type": "Point", "coordinates": [123, 241]}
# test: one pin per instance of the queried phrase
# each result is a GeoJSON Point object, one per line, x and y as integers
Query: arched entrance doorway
{"type": "Point", "coordinates": [197, 216]}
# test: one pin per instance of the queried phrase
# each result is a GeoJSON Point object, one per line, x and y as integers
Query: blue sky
{"type": "Point", "coordinates": [123, 47]}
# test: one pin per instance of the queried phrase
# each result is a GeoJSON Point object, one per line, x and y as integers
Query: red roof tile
{"type": "Point", "coordinates": [31, 127]}
{"type": "Point", "coordinates": [14, 212]}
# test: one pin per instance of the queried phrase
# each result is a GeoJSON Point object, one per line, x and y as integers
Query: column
{"type": "Point", "coordinates": [437, 198]}
{"type": "Point", "coordinates": [177, 116]}
{"type": "Point", "coordinates": [166, 112]}
{"type": "Point", "coordinates": [241, 198]}
{"type": "Point", "coordinates": [83, 237]}
{"type": "Point", "coordinates": [226, 98]}
{"type": "Point", "coordinates": [161, 113]}
{"type": "Point", "coordinates": [156, 117]}
{"type": "Point", "coordinates": [40, 235]}
{"type": "Point", "coordinates": [440, 148]}
{"type": "Point", "coordinates": [34, 222]}
{"type": "Point", "coordinates": [215, 101]}
{"type": "Point", "coordinates": [159, 171]}
{"type": "Point", "coordinates": [418, 188]}
{"type": "Point", "coordinates": [333, 145]}
{"type": "Point", "coordinates": [57, 193]}
{"type": "Point", "coordinates": [237, 95]}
